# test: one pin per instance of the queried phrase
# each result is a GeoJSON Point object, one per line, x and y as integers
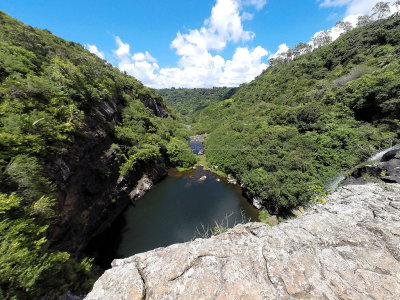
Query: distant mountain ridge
{"type": "Point", "coordinates": [188, 101]}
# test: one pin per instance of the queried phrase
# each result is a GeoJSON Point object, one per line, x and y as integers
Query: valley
{"type": "Point", "coordinates": [96, 166]}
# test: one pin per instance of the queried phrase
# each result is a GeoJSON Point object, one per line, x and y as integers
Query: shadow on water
{"type": "Point", "coordinates": [172, 212]}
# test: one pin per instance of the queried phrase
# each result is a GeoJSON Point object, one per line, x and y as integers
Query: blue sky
{"type": "Point", "coordinates": [191, 43]}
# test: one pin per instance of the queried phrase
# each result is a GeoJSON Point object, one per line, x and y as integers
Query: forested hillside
{"type": "Point", "coordinates": [302, 122]}
{"type": "Point", "coordinates": [189, 101]}
{"type": "Point", "coordinates": [76, 136]}
{"type": "Point", "coordinates": [71, 127]}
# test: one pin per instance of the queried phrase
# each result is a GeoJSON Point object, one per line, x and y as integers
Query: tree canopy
{"type": "Point", "coordinates": [304, 121]}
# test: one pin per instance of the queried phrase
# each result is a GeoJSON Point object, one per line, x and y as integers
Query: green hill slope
{"type": "Point", "coordinates": [189, 101]}
{"type": "Point", "coordinates": [299, 124]}
{"type": "Point", "coordinates": [72, 128]}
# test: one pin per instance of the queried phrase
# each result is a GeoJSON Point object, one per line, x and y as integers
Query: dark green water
{"type": "Point", "coordinates": [174, 211]}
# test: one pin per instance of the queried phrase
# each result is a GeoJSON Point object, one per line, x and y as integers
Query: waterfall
{"type": "Point", "coordinates": [334, 184]}
{"type": "Point", "coordinates": [378, 156]}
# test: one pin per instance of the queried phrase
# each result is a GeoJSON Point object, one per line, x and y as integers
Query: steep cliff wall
{"type": "Point", "coordinates": [348, 248]}
{"type": "Point", "coordinates": [91, 193]}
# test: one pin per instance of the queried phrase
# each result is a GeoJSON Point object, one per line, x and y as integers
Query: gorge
{"type": "Point", "coordinates": [80, 141]}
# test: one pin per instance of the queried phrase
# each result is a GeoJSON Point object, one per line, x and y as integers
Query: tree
{"type": "Point", "coordinates": [291, 54]}
{"type": "Point", "coordinates": [345, 26]}
{"type": "Point", "coordinates": [363, 20]}
{"type": "Point", "coordinates": [302, 48]}
{"type": "Point", "coordinates": [275, 61]}
{"type": "Point", "coordinates": [321, 39]}
{"type": "Point", "coordinates": [396, 4]}
{"type": "Point", "coordinates": [381, 10]}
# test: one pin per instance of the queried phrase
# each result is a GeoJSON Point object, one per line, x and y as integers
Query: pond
{"type": "Point", "coordinates": [182, 207]}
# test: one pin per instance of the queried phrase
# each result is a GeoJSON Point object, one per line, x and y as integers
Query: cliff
{"type": "Point", "coordinates": [79, 140]}
{"type": "Point", "coordinates": [347, 248]}
{"type": "Point", "coordinates": [91, 192]}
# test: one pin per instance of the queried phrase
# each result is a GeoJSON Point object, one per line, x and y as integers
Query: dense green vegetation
{"type": "Point", "coordinates": [189, 101]}
{"type": "Point", "coordinates": [282, 136]}
{"type": "Point", "coordinates": [302, 122]}
{"type": "Point", "coordinates": [49, 92]}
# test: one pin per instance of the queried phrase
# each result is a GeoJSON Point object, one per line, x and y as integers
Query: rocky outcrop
{"type": "Point", "coordinates": [387, 170]}
{"type": "Point", "coordinates": [142, 187]}
{"type": "Point", "coordinates": [348, 248]}
{"type": "Point", "coordinates": [155, 103]}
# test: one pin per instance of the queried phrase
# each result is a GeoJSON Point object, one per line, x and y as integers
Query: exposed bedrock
{"type": "Point", "coordinates": [387, 170]}
{"type": "Point", "coordinates": [348, 248]}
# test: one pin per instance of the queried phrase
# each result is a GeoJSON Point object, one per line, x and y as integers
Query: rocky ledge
{"type": "Point", "coordinates": [348, 248]}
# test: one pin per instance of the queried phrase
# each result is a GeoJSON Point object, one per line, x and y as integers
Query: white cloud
{"type": "Point", "coordinates": [258, 4]}
{"type": "Point", "coordinates": [244, 66]}
{"type": "Point", "coordinates": [93, 49]}
{"type": "Point", "coordinates": [354, 7]}
{"type": "Point", "coordinates": [282, 50]}
{"type": "Point", "coordinates": [123, 50]}
{"type": "Point", "coordinates": [224, 25]}
{"type": "Point", "coordinates": [352, 19]}
{"type": "Point", "coordinates": [200, 70]}
{"type": "Point", "coordinates": [197, 67]}
{"type": "Point", "coordinates": [247, 16]}
{"type": "Point", "coordinates": [143, 57]}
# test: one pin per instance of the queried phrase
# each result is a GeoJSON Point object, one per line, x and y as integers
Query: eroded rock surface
{"type": "Point", "coordinates": [348, 248]}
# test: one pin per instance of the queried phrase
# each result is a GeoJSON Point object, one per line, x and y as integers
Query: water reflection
{"type": "Point", "coordinates": [172, 212]}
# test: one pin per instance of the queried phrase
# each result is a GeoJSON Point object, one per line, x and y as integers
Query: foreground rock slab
{"type": "Point", "coordinates": [348, 248]}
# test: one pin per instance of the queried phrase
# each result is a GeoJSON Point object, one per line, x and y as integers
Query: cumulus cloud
{"type": "Point", "coordinates": [143, 57]}
{"type": "Point", "coordinates": [354, 7]}
{"type": "Point", "coordinates": [244, 66]}
{"type": "Point", "coordinates": [93, 49]}
{"type": "Point", "coordinates": [282, 50]}
{"type": "Point", "coordinates": [197, 66]}
{"type": "Point", "coordinates": [224, 25]}
{"type": "Point", "coordinates": [123, 51]}
{"type": "Point", "coordinates": [140, 65]}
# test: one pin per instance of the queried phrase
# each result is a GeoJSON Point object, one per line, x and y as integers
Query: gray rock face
{"type": "Point", "coordinates": [144, 185]}
{"type": "Point", "coordinates": [348, 248]}
{"type": "Point", "coordinates": [388, 170]}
